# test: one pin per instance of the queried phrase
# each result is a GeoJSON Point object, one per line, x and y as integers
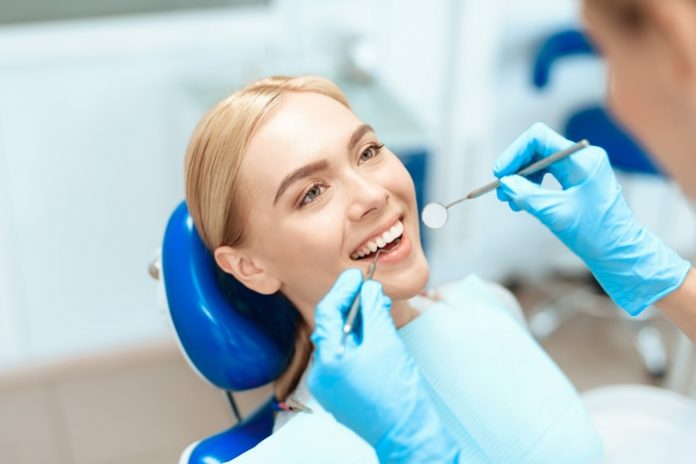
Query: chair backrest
{"type": "Point", "coordinates": [234, 338]}
{"type": "Point", "coordinates": [592, 122]}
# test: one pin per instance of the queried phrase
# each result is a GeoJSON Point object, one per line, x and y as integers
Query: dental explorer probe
{"type": "Point", "coordinates": [435, 215]}
{"type": "Point", "coordinates": [353, 313]}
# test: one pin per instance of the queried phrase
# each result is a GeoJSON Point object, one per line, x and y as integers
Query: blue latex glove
{"type": "Point", "coordinates": [590, 216]}
{"type": "Point", "coordinates": [374, 388]}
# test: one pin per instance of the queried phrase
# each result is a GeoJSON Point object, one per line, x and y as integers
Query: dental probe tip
{"type": "Point", "coordinates": [352, 314]}
{"type": "Point", "coordinates": [373, 265]}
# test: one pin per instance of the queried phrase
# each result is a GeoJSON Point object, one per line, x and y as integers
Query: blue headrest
{"type": "Point", "coordinates": [236, 338]}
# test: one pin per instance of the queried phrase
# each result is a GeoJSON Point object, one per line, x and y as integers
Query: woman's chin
{"type": "Point", "coordinates": [408, 282]}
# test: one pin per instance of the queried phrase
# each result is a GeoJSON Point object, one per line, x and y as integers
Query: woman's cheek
{"type": "Point", "coordinates": [398, 179]}
{"type": "Point", "coordinates": [321, 237]}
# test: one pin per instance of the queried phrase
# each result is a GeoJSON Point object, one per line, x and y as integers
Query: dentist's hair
{"type": "Point", "coordinates": [630, 15]}
{"type": "Point", "coordinates": [215, 195]}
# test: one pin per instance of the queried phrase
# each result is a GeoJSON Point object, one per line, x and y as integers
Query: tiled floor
{"type": "Point", "coordinates": [136, 405]}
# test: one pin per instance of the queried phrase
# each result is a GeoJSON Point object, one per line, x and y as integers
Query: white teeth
{"type": "Point", "coordinates": [380, 241]}
{"type": "Point", "coordinates": [388, 237]}
{"type": "Point", "coordinates": [396, 231]}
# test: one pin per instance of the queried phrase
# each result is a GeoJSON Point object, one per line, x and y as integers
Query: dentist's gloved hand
{"type": "Point", "coordinates": [374, 388]}
{"type": "Point", "coordinates": [591, 217]}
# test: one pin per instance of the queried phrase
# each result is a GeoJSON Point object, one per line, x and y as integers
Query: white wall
{"type": "Point", "coordinates": [94, 121]}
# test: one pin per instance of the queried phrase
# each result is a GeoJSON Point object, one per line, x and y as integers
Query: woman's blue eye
{"type": "Point", "coordinates": [370, 152]}
{"type": "Point", "coordinates": [312, 194]}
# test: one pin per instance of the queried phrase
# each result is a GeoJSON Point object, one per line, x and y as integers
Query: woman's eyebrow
{"type": "Point", "coordinates": [358, 134]}
{"type": "Point", "coordinates": [308, 170]}
{"type": "Point", "coordinates": [301, 173]}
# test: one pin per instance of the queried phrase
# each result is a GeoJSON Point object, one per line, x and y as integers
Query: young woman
{"type": "Point", "coordinates": [289, 189]}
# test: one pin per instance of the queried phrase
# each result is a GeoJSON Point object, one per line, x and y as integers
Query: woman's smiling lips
{"type": "Point", "coordinates": [394, 238]}
{"type": "Point", "coordinates": [386, 234]}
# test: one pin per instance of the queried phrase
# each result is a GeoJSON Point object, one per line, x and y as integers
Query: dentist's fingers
{"type": "Point", "coordinates": [505, 196]}
{"type": "Point", "coordinates": [539, 141]}
{"type": "Point", "coordinates": [549, 206]}
{"type": "Point", "coordinates": [330, 313]}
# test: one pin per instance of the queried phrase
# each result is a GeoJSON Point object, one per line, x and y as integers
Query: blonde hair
{"type": "Point", "coordinates": [214, 191]}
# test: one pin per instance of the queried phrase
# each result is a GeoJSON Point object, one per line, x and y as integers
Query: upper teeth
{"type": "Point", "coordinates": [380, 241]}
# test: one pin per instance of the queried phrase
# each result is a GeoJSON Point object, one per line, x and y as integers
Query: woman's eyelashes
{"type": "Point", "coordinates": [370, 152]}
{"type": "Point", "coordinates": [312, 193]}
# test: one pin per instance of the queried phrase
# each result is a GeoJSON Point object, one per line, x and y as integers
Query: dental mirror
{"type": "Point", "coordinates": [435, 215]}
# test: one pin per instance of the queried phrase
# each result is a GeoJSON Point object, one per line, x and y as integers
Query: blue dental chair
{"type": "Point", "coordinates": [225, 342]}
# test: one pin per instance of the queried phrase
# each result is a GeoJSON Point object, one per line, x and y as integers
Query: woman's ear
{"type": "Point", "coordinates": [246, 270]}
{"type": "Point", "coordinates": [675, 23]}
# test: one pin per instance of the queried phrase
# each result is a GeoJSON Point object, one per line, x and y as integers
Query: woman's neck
{"type": "Point", "coordinates": [402, 313]}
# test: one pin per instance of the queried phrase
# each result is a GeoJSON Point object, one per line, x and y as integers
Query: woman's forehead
{"type": "Point", "coordinates": [304, 127]}
{"type": "Point", "coordinates": [302, 115]}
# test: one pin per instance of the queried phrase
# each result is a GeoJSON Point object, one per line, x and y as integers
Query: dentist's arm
{"type": "Point", "coordinates": [680, 306]}
{"type": "Point", "coordinates": [374, 388]}
{"type": "Point", "coordinates": [590, 216]}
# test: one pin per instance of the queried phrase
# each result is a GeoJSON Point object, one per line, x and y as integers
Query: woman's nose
{"type": "Point", "coordinates": [365, 197]}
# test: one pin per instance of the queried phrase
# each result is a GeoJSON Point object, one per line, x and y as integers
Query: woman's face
{"type": "Point", "coordinates": [322, 190]}
{"type": "Point", "coordinates": [646, 91]}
